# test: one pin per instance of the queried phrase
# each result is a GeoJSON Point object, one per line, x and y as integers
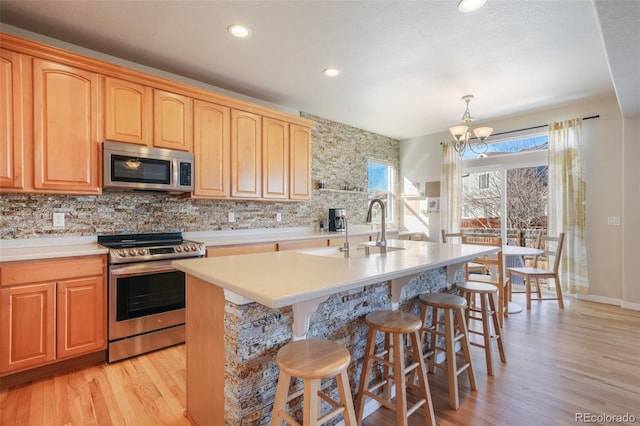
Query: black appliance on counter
{"type": "Point", "coordinates": [337, 220]}
{"type": "Point", "coordinates": [146, 307]}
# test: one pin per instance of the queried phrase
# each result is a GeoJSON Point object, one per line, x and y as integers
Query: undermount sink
{"type": "Point", "coordinates": [356, 251]}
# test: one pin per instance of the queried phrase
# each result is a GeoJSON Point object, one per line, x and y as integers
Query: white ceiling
{"type": "Point", "coordinates": [405, 64]}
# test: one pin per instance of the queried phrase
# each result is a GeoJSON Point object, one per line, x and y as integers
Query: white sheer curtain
{"type": "Point", "coordinates": [567, 196]}
{"type": "Point", "coordinates": [450, 189]}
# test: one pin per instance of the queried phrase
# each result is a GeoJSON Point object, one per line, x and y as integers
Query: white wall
{"type": "Point", "coordinates": [604, 162]}
{"type": "Point", "coordinates": [631, 209]}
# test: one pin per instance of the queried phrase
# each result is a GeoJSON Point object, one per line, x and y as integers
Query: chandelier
{"type": "Point", "coordinates": [462, 133]}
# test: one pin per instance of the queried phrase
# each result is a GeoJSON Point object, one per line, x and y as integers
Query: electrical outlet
{"type": "Point", "coordinates": [232, 217]}
{"type": "Point", "coordinates": [279, 217]}
{"type": "Point", "coordinates": [58, 219]}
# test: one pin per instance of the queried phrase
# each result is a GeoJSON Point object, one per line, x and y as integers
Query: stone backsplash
{"type": "Point", "coordinates": [251, 372]}
{"type": "Point", "coordinates": [339, 156]}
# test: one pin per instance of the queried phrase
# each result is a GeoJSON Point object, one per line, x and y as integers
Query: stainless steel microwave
{"type": "Point", "coordinates": [134, 167]}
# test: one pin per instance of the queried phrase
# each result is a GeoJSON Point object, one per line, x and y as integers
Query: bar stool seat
{"type": "Point", "coordinates": [452, 328]}
{"type": "Point", "coordinates": [394, 325]}
{"type": "Point", "coordinates": [486, 314]}
{"type": "Point", "coordinates": [313, 360]}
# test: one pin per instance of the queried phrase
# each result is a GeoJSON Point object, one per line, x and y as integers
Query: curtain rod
{"type": "Point", "coordinates": [537, 127]}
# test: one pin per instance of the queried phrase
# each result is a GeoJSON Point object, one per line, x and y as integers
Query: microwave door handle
{"type": "Point", "coordinates": [174, 173]}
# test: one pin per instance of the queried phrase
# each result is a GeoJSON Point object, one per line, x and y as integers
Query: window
{"type": "Point", "coordinates": [380, 185]}
{"type": "Point", "coordinates": [504, 191]}
{"type": "Point", "coordinates": [483, 181]}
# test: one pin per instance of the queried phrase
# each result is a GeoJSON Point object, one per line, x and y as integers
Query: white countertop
{"type": "Point", "coordinates": [47, 248]}
{"type": "Point", "coordinates": [279, 279]}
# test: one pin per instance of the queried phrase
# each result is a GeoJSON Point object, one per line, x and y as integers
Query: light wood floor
{"type": "Point", "coordinates": [585, 359]}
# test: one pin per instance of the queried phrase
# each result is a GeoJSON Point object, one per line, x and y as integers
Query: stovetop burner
{"type": "Point", "coordinates": [128, 248]}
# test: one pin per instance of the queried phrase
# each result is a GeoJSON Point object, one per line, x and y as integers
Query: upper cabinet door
{"type": "Point", "coordinates": [275, 159]}
{"type": "Point", "coordinates": [300, 160]}
{"type": "Point", "coordinates": [128, 111]}
{"type": "Point", "coordinates": [246, 156]}
{"type": "Point", "coordinates": [12, 160]}
{"type": "Point", "coordinates": [172, 121]}
{"type": "Point", "coordinates": [211, 146]}
{"type": "Point", "coordinates": [65, 124]}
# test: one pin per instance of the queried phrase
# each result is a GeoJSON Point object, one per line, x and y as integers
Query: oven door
{"type": "Point", "coordinates": [144, 297]}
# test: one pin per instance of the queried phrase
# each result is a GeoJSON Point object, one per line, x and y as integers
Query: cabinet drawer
{"type": "Point", "coordinates": [15, 273]}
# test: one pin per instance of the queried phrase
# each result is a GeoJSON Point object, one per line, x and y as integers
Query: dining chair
{"type": "Point", "coordinates": [551, 253]}
{"type": "Point", "coordinates": [495, 265]}
{"type": "Point", "coordinates": [520, 262]}
{"type": "Point", "coordinates": [472, 267]}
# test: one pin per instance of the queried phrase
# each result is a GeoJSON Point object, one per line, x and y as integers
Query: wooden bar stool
{"type": "Point", "coordinates": [454, 329]}
{"type": "Point", "coordinates": [486, 314]}
{"type": "Point", "coordinates": [313, 360]}
{"type": "Point", "coordinates": [394, 325]}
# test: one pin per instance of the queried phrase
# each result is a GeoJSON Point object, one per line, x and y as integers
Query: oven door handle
{"type": "Point", "coordinates": [141, 268]}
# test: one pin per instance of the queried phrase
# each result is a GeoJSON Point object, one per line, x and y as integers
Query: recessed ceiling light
{"type": "Point", "coordinates": [470, 5]}
{"type": "Point", "coordinates": [239, 31]}
{"type": "Point", "coordinates": [331, 72]}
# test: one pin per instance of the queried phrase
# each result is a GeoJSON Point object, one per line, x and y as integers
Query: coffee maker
{"type": "Point", "coordinates": [337, 220]}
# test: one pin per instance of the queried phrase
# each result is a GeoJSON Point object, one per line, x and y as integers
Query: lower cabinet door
{"type": "Point", "coordinates": [81, 321]}
{"type": "Point", "coordinates": [27, 326]}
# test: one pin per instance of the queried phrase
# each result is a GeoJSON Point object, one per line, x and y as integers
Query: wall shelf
{"type": "Point", "coordinates": [345, 191]}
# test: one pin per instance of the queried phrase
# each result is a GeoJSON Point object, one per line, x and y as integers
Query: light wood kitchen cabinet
{"type": "Point", "coordinates": [241, 249]}
{"type": "Point", "coordinates": [246, 154]}
{"type": "Point", "coordinates": [27, 326]}
{"type": "Point", "coordinates": [65, 112]}
{"type": "Point", "coordinates": [128, 111]}
{"type": "Point", "coordinates": [51, 310]}
{"type": "Point", "coordinates": [13, 105]}
{"type": "Point", "coordinates": [172, 120]}
{"type": "Point", "coordinates": [81, 311]}
{"type": "Point", "coordinates": [300, 163]}
{"type": "Point", "coordinates": [302, 244]}
{"type": "Point", "coordinates": [275, 159]}
{"type": "Point", "coordinates": [211, 148]}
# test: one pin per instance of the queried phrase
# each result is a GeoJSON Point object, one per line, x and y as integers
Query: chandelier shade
{"type": "Point", "coordinates": [462, 133]}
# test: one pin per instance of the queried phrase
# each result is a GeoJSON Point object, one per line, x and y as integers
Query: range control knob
{"type": "Point", "coordinates": [193, 247]}
{"type": "Point", "coordinates": [143, 252]}
{"type": "Point", "coordinates": [122, 253]}
{"type": "Point", "coordinates": [179, 249]}
{"type": "Point", "coordinates": [133, 252]}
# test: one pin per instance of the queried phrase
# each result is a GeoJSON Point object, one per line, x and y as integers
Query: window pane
{"type": "Point", "coordinates": [537, 143]}
{"type": "Point", "coordinates": [378, 176]}
{"type": "Point", "coordinates": [380, 185]}
{"type": "Point", "coordinates": [527, 190]}
{"type": "Point", "coordinates": [481, 200]}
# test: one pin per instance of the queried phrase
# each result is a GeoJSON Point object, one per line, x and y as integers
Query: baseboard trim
{"type": "Point", "coordinates": [608, 301]}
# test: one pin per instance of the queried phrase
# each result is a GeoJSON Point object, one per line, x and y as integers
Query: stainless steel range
{"type": "Point", "coordinates": [146, 294]}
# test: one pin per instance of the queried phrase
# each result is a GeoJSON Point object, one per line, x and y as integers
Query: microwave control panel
{"type": "Point", "coordinates": [185, 174]}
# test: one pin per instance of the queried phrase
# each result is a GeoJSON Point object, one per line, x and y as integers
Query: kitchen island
{"type": "Point", "coordinates": [242, 309]}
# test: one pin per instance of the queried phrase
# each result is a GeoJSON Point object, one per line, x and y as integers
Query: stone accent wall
{"type": "Point", "coordinates": [254, 334]}
{"type": "Point", "coordinates": [339, 155]}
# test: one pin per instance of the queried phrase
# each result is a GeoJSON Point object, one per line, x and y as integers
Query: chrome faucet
{"type": "Point", "coordinates": [345, 246]}
{"type": "Point", "coordinates": [382, 242]}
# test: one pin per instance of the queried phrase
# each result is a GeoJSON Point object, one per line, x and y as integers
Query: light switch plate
{"type": "Point", "coordinates": [279, 217]}
{"type": "Point", "coordinates": [232, 217]}
{"type": "Point", "coordinates": [613, 220]}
